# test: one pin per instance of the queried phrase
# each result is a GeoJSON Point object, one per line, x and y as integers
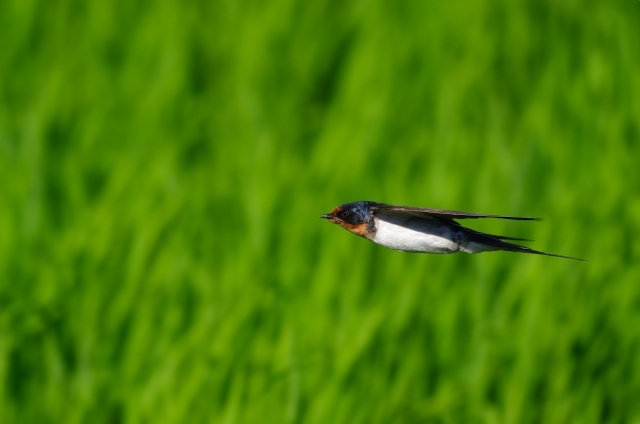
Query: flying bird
{"type": "Point", "coordinates": [425, 230]}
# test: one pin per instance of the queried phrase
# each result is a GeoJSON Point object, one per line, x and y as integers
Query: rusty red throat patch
{"type": "Point", "coordinates": [357, 229]}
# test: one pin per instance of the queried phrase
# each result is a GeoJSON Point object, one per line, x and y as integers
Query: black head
{"type": "Point", "coordinates": [351, 214]}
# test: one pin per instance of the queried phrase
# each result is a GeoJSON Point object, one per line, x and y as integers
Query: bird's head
{"type": "Point", "coordinates": [351, 216]}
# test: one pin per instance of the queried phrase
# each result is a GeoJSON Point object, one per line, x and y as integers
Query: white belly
{"type": "Point", "coordinates": [414, 235]}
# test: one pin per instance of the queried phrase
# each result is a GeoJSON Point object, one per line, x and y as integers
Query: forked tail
{"type": "Point", "coordinates": [495, 243]}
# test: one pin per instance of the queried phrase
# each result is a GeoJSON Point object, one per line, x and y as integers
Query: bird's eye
{"type": "Point", "coordinates": [346, 214]}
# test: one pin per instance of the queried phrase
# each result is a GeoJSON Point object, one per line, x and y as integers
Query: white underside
{"type": "Point", "coordinates": [412, 234]}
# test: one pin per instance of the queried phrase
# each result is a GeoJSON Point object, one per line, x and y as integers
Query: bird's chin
{"type": "Point", "coordinates": [337, 221]}
{"type": "Point", "coordinates": [357, 229]}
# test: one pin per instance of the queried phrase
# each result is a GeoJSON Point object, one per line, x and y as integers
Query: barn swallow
{"type": "Point", "coordinates": [424, 230]}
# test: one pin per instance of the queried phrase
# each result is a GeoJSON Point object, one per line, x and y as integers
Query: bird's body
{"type": "Point", "coordinates": [422, 230]}
{"type": "Point", "coordinates": [413, 234]}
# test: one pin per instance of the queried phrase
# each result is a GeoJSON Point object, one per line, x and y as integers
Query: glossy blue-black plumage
{"type": "Point", "coordinates": [355, 212]}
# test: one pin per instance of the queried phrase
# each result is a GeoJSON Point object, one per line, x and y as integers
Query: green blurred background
{"type": "Point", "coordinates": [163, 166]}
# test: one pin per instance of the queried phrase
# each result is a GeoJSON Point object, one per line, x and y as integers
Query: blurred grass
{"type": "Point", "coordinates": [163, 165]}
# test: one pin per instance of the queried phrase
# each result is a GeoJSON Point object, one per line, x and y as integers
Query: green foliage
{"type": "Point", "coordinates": [163, 166]}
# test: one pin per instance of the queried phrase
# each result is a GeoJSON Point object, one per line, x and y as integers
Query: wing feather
{"type": "Point", "coordinates": [443, 213]}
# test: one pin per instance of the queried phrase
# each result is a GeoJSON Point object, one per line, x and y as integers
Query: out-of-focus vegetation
{"type": "Point", "coordinates": [163, 166]}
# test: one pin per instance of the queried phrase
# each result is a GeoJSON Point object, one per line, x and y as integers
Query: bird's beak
{"type": "Point", "coordinates": [326, 216]}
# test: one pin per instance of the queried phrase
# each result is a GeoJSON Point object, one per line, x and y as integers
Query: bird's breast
{"type": "Point", "coordinates": [414, 234]}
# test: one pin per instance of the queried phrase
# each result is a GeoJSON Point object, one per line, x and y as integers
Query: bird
{"type": "Point", "coordinates": [424, 230]}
